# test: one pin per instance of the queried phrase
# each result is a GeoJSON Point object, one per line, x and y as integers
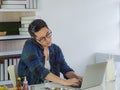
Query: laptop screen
{"type": "Point", "coordinates": [94, 75]}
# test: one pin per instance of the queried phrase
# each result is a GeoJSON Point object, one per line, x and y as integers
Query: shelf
{"type": "Point", "coordinates": [14, 37]}
{"type": "Point", "coordinates": [10, 52]}
{"type": "Point", "coordinates": [5, 82]}
{"type": "Point", "coordinates": [31, 3]}
{"type": "Point", "coordinates": [17, 10]}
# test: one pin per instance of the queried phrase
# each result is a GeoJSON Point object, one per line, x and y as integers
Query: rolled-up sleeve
{"type": "Point", "coordinates": [64, 67]}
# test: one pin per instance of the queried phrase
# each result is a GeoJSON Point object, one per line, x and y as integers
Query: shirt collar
{"type": "Point", "coordinates": [34, 41]}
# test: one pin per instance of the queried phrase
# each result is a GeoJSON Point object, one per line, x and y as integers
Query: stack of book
{"type": "Point", "coordinates": [9, 4]}
{"type": "Point", "coordinates": [18, 4]}
{"type": "Point", "coordinates": [25, 21]}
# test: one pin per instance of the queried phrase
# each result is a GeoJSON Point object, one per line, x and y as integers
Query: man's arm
{"type": "Point", "coordinates": [56, 79]}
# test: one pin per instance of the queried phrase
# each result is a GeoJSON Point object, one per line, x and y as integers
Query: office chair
{"type": "Point", "coordinates": [12, 70]}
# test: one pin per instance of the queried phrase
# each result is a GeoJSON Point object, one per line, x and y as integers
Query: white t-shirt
{"type": "Point", "coordinates": [47, 64]}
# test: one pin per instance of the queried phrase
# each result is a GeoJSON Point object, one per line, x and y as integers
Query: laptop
{"type": "Point", "coordinates": [94, 75]}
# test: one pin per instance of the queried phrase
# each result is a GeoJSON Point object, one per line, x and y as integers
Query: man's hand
{"type": "Point", "coordinates": [71, 75]}
{"type": "Point", "coordinates": [71, 82]}
{"type": "Point", "coordinates": [80, 80]}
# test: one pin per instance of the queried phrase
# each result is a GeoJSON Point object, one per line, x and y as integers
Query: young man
{"type": "Point", "coordinates": [42, 60]}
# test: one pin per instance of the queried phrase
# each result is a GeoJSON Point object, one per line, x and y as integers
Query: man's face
{"type": "Point", "coordinates": [43, 37]}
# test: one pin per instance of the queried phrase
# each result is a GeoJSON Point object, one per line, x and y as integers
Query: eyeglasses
{"type": "Point", "coordinates": [47, 36]}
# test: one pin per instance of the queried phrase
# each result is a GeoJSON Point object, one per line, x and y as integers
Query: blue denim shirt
{"type": "Point", "coordinates": [32, 62]}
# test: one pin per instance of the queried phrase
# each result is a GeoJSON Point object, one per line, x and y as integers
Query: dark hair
{"type": "Point", "coordinates": [35, 26]}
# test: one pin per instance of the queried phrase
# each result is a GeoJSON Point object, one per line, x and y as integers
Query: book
{"type": "Point", "coordinates": [10, 61]}
{"type": "Point", "coordinates": [26, 21]}
{"type": "Point", "coordinates": [34, 4]}
{"type": "Point", "coordinates": [31, 4]}
{"type": "Point", "coordinates": [24, 33]}
{"type": "Point", "coordinates": [13, 6]}
{"type": "Point", "coordinates": [23, 29]}
{"type": "Point", "coordinates": [5, 69]}
{"type": "Point", "coordinates": [18, 59]}
{"type": "Point", "coordinates": [14, 61]}
{"type": "Point", "coordinates": [28, 18]}
{"type": "Point", "coordinates": [25, 25]}
{"type": "Point", "coordinates": [14, 2]}
{"type": "Point", "coordinates": [27, 4]}
{"type": "Point", "coordinates": [2, 72]}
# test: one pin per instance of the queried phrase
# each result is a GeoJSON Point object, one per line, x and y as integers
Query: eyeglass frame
{"type": "Point", "coordinates": [43, 39]}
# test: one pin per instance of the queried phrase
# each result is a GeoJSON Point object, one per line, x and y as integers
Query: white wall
{"type": "Point", "coordinates": [82, 27]}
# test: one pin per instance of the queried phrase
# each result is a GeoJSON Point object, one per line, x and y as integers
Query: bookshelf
{"type": "Point", "coordinates": [13, 44]}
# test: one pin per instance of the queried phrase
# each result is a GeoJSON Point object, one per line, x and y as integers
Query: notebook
{"type": "Point", "coordinates": [94, 75]}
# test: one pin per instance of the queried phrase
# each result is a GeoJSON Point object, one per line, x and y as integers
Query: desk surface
{"type": "Point", "coordinates": [52, 86]}
{"type": "Point", "coordinates": [104, 86]}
